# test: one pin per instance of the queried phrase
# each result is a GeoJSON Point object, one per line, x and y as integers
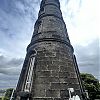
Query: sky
{"type": "Point", "coordinates": [17, 18]}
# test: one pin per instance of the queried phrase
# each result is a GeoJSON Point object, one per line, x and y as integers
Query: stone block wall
{"type": "Point", "coordinates": [55, 71]}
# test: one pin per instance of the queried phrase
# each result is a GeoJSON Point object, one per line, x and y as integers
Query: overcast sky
{"type": "Point", "coordinates": [17, 17]}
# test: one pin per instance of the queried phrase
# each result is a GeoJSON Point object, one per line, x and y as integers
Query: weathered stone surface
{"type": "Point", "coordinates": [42, 86]}
{"type": "Point", "coordinates": [61, 98]}
{"type": "Point", "coordinates": [47, 79]}
{"type": "Point", "coordinates": [39, 92]}
{"type": "Point", "coordinates": [74, 85]}
{"type": "Point", "coordinates": [63, 68]}
{"type": "Point", "coordinates": [64, 74]}
{"type": "Point", "coordinates": [52, 93]}
{"type": "Point", "coordinates": [73, 80]}
{"type": "Point", "coordinates": [59, 86]}
{"type": "Point", "coordinates": [41, 67]}
{"type": "Point", "coordinates": [54, 67]}
{"type": "Point", "coordinates": [42, 98]}
{"type": "Point", "coordinates": [64, 93]}
{"type": "Point", "coordinates": [43, 74]}
{"type": "Point", "coordinates": [55, 73]}
{"type": "Point", "coordinates": [73, 75]}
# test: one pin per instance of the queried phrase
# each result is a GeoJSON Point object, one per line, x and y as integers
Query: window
{"type": "Point", "coordinates": [42, 9]}
{"type": "Point", "coordinates": [39, 26]}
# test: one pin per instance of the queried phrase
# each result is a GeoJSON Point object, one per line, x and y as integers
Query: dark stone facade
{"type": "Point", "coordinates": [55, 68]}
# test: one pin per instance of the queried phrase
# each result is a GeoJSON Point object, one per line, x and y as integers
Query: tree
{"type": "Point", "coordinates": [8, 94]}
{"type": "Point", "coordinates": [91, 84]}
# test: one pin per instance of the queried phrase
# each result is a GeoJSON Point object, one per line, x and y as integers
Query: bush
{"type": "Point", "coordinates": [92, 85]}
{"type": "Point", "coordinates": [8, 94]}
{"type": "Point", "coordinates": [0, 98]}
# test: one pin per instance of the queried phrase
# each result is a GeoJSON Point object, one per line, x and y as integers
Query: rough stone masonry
{"type": "Point", "coordinates": [50, 69]}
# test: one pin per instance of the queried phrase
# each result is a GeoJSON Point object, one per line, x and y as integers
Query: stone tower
{"type": "Point", "coordinates": [50, 69]}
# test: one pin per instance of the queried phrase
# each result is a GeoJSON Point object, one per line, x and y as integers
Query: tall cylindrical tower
{"type": "Point", "coordinates": [50, 70]}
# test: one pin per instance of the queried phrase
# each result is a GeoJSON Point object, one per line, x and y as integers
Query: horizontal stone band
{"type": "Point", "coordinates": [50, 39]}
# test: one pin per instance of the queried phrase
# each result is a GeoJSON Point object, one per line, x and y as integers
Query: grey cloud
{"type": "Point", "coordinates": [88, 58]}
{"type": "Point", "coordinates": [10, 66]}
{"type": "Point", "coordinates": [10, 69]}
{"type": "Point", "coordinates": [69, 11]}
{"type": "Point", "coordinates": [20, 8]}
{"type": "Point", "coordinates": [16, 24]}
{"type": "Point", "coordinates": [8, 81]}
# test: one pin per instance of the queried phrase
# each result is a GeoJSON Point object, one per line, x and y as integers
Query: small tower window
{"type": "Point", "coordinates": [42, 9]}
{"type": "Point", "coordinates": [39, 26]}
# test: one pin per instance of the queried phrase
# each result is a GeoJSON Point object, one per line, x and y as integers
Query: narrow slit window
{"type": "Point", "coordinates": [39, 26]}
